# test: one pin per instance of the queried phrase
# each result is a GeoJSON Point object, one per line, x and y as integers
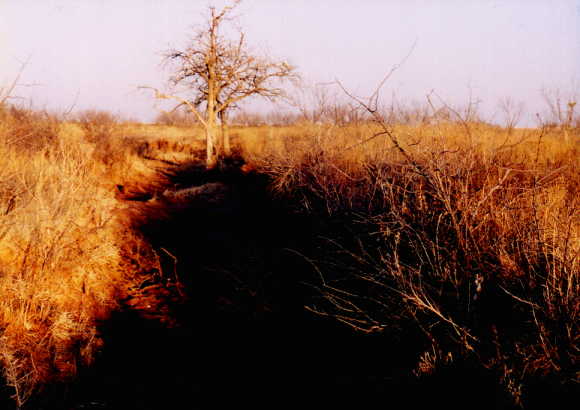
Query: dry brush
{"type": "Point", "coordinates": [466, 231]}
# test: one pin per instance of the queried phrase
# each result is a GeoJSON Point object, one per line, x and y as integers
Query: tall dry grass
{"type": "Point", "coordinates": [469, 232]}
{"type": "Point", "coordinates": [61, 268]}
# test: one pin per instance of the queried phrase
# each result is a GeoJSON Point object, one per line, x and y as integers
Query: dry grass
{"type": "Point", "coordinates": [472, 234]}
{"type": "Point", "coordinates": [60, 261]}
{"type": "Point", "coordinates": [66, 254]}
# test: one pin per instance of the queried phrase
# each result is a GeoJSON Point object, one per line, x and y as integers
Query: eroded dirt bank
{"type": "Point", "coordinates": [221, 320]}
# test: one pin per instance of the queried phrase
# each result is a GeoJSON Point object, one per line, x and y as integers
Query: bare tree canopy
{"type": "Point", "coordinates": [219, 72]}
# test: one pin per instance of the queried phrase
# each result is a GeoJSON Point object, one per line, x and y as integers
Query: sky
{"type": "Point", "coordinates": [94, 54]}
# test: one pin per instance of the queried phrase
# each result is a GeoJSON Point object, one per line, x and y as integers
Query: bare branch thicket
{"type": "Point", "coordinates": [218, 73]}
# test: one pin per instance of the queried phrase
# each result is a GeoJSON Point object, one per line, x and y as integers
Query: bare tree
{"type": "Point", "coordinates": [561, 106]}
{"type": "Point", "coordinates": [512, 112]}
{"type": "Point", "coordinates": [561, 109]}
{"type": "Point", "coordinates": [219, 73]}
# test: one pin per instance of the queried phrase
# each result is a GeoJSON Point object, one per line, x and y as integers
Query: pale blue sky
{"type": "Point", "coordinates": [103, 49]}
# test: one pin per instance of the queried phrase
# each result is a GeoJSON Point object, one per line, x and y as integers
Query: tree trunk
{"type": "Point", "coordinates": [212, 95]}
{"type": "Point", "coordinates": [226, 135]}
{"type": "Point", "coordinates": [212, 136]}
{"type": "Point", "coordinates": [227, 144]}
{"type": "Point", "coordinates": [211, 148]}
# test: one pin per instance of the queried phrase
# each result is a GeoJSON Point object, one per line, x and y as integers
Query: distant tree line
{"type": "Point", "coordinates": [180, 117]}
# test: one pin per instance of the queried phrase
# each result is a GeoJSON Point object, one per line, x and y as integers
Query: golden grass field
{"type": "Point", "coordinates": [478, 209]}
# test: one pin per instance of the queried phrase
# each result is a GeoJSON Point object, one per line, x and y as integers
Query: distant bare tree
{"type": "Point", "coordinates": [553, 100]}
{"type": "Point", "coordinates": [219, 73]}
{"type": "Point", "coordinates": [561, 109]}
{"type": "Point", "coordinates": [512, 112]}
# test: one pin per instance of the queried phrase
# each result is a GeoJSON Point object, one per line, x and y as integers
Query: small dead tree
{"type": "Point", "coordinates": [218, 73]}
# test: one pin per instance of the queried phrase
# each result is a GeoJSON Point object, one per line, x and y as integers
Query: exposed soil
{"type": "Point", "coordinates": [223, 322]}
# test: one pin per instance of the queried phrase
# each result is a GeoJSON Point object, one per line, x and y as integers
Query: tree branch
{"type": "Point", "coordinates": [183, 101]}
